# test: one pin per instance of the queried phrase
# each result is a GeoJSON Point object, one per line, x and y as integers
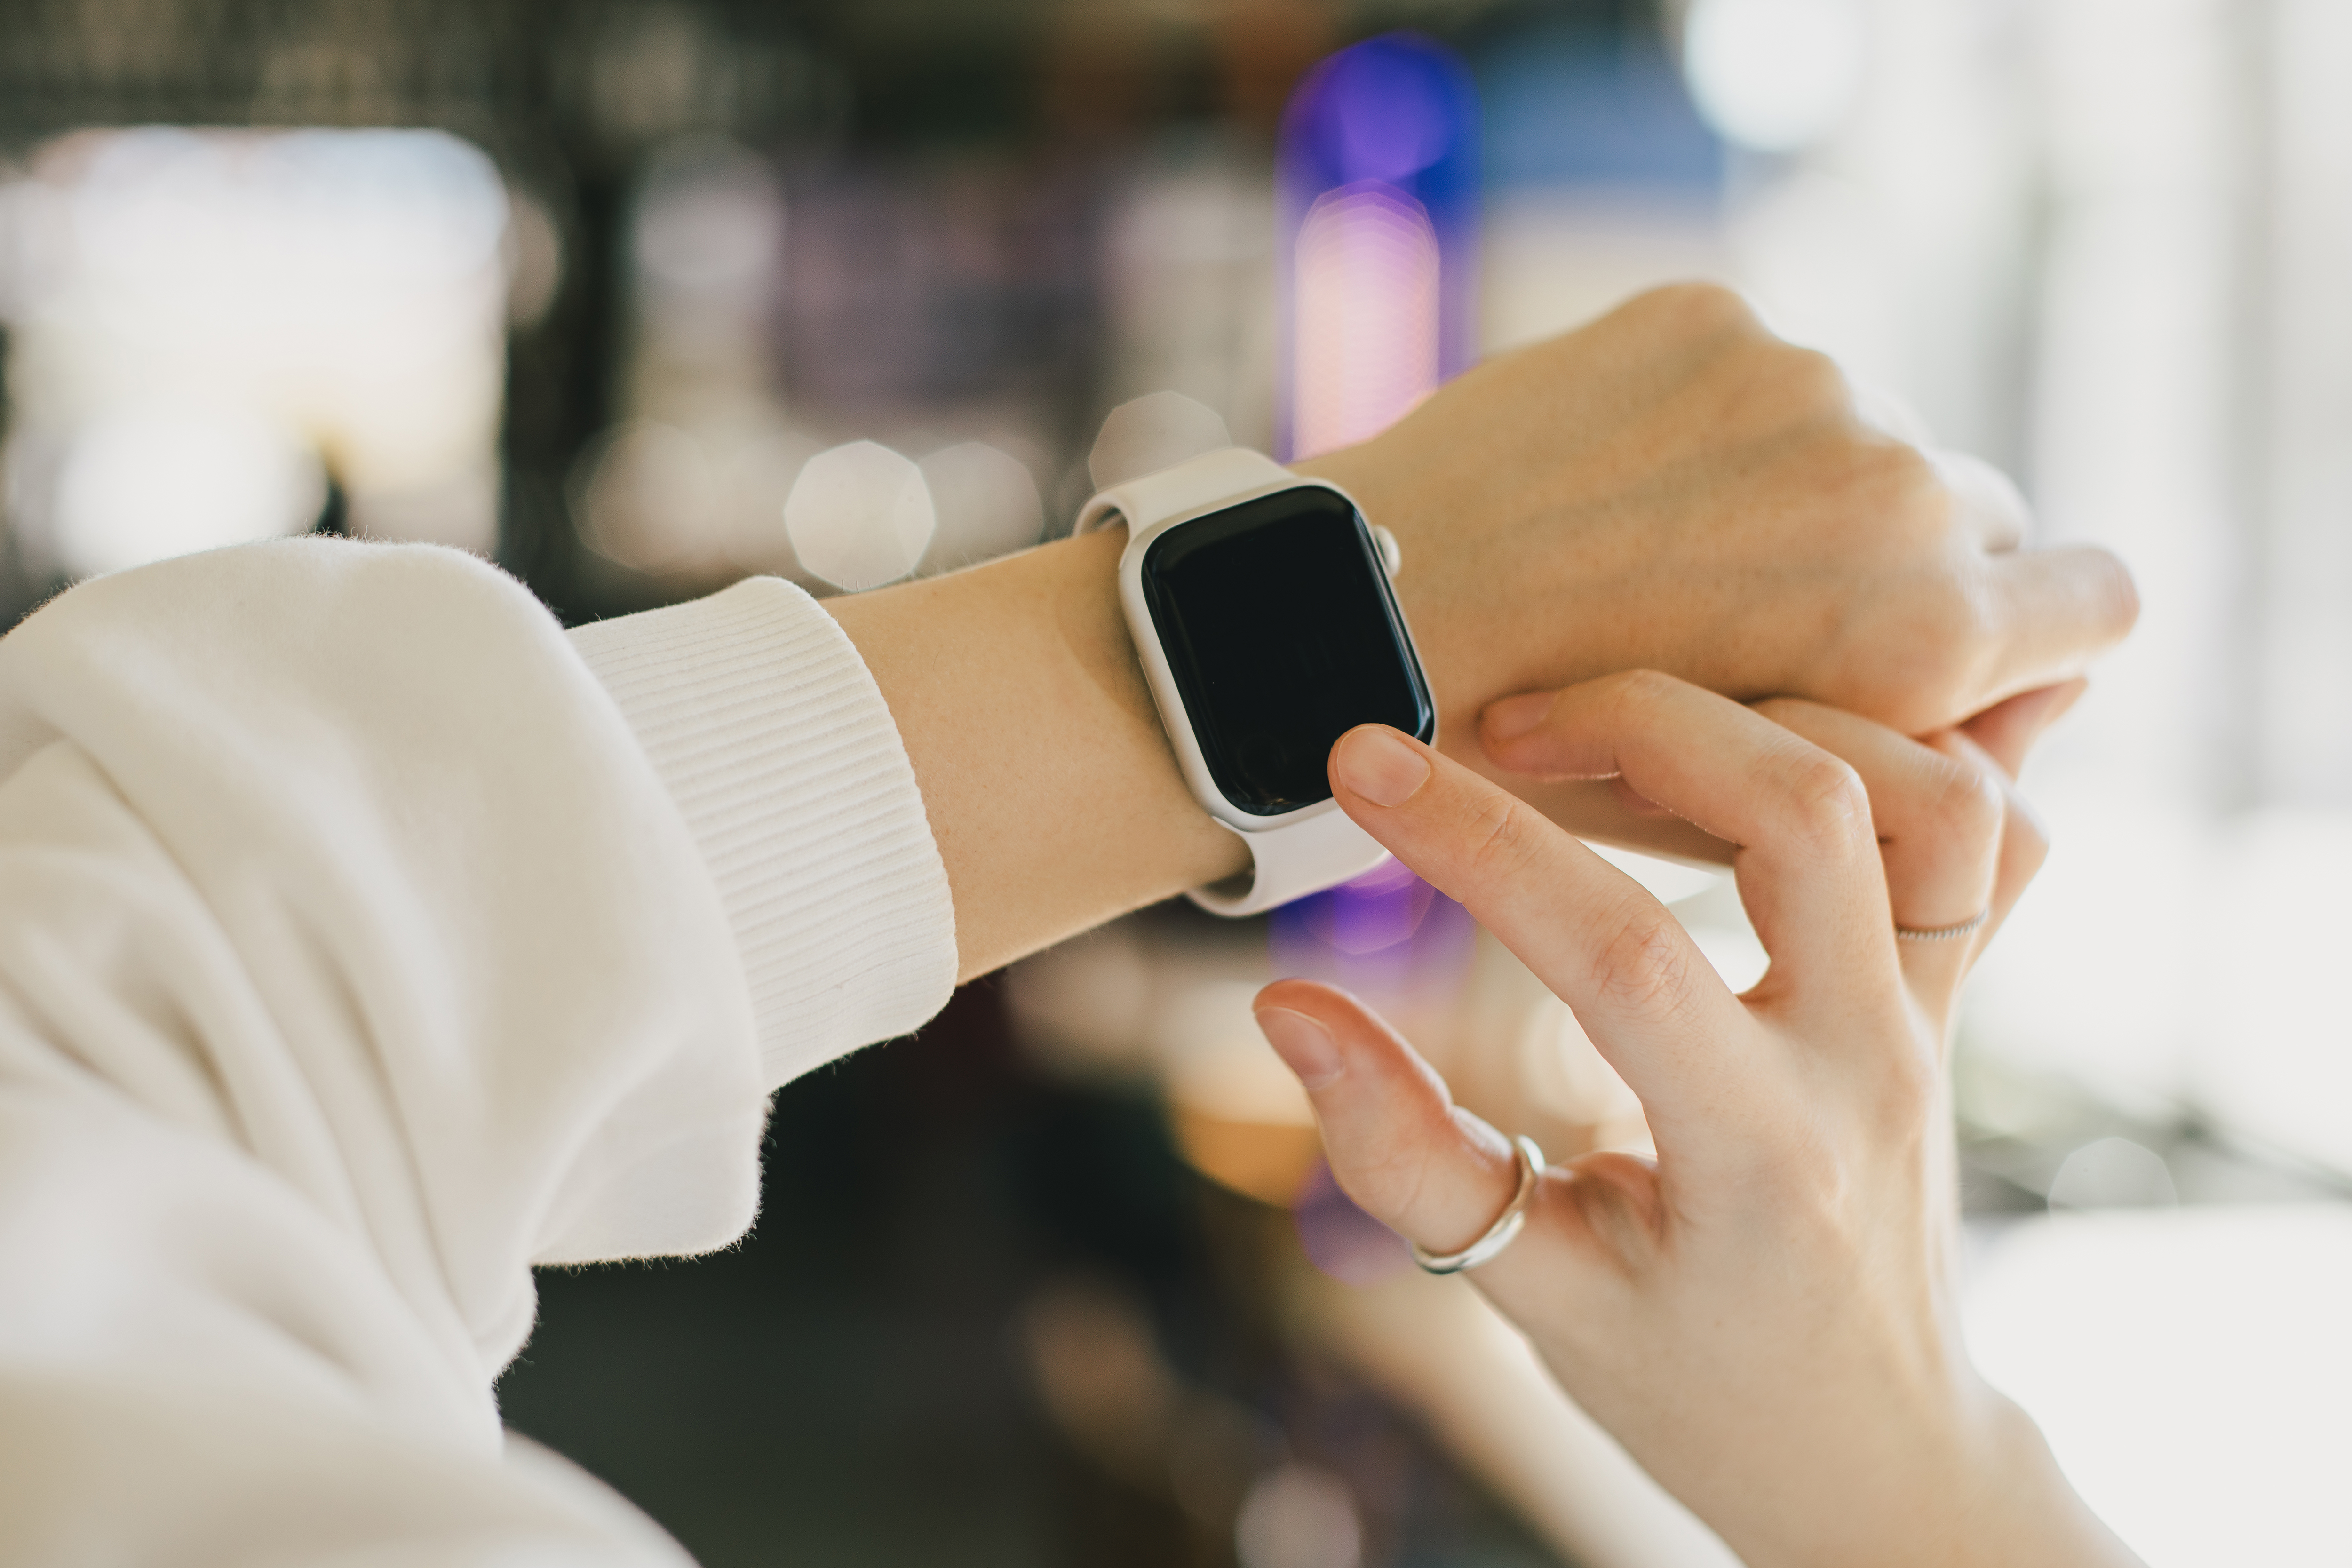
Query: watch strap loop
{"type": "Point", "coordinates": [1305, 855]}
{"type": "Point", "coordinates": [1214, 478]}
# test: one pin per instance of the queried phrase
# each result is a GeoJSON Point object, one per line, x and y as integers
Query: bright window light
{"type": "Point", "coordinates": [143, 484]}
{"type": "Point", "coordinates": [2190, 1368]}
{"type": "Point", "coordinates": [203, 324]}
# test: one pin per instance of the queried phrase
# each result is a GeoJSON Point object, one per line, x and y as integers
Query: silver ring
{"type": "Point", "coordinates": [1506, 1228]}
{"type": "Point", "coordinates": [1943, 933]}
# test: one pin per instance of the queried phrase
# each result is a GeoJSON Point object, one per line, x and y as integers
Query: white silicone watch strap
{"type": "Point", "coordinates": [1319, 848]}
{"type": "Point", "coordinates": [1226, 475]}
{"type": "Point", "coordinates": [1307, 851]}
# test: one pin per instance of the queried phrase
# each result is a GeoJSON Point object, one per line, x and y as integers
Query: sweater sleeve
{"type": "Point", "coordinates": [774, 742]}
{"type": "Point", "coordinates": [363, 941]}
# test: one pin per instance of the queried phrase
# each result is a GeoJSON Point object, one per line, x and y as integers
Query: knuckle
{"type": "Point", "coordinates": [1966, 808]}
{"type": "Point", "coordinates": [1500, 834]}
{"type": "Point", "coordinates": [1796, 403]}
{"type": "Point", "coordinates": [1912, 489]}
{"type": "Point", "coordinates": [1982, 489]}
{"type": "Point", "coordinates": [1892, 497]}
{"type": "Point", "coordinates": [1701, 308]}
{"type": "Point", "coordinates": [1641, 967]}
{"type": "Point", "coordinates": [1807, 381]}
{"type": "Point", "coordinates": [1825, 804]}
{"type": "Point", "coordinates": [1634, 694]}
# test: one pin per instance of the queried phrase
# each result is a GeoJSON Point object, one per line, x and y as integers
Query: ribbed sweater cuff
{"type": "Point", "coordinates": [758, 713]}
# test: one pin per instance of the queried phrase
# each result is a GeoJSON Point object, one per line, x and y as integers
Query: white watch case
{"type": "Point", "coordinates": [1297, 852]}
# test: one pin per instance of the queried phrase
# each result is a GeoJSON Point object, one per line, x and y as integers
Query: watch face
{"type": "Point", "coordinates": [1282, 634]}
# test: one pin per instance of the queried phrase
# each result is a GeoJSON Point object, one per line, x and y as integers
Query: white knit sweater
{"type": "Point", "coordinates": [363, 941]}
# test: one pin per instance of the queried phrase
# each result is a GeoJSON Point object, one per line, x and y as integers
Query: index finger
{"type": "Point", "coordinates": [1650, 1001]}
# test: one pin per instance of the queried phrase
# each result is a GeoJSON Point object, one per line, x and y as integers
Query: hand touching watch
{"type": "Point", "coordinates": [1764, 1315]}
{"type": "Point", "coordinates": [1670, 487]}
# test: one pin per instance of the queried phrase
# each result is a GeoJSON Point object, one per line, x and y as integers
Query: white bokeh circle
{"type": "Point", "coordinates": [1153, 432]}
{"type": "Point", "coordinates": [859, 516]}
{"type": "Point", "coordinates": [987, 505]}
{"type": "Point", "coordinates": [1775, 75]}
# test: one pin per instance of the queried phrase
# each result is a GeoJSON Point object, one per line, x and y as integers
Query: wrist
{"type": "Point", "coordinates": [2021, 1511]}
{"type": "Point", "coordinates": [1049, 782]}
{"type": "Point", "coordinates": [1983, 1490]}
{"type": "Point", "coordinates": [1184, 847]}
{"type": "Point", "coordinates": [1958, 1479]}
{"type": "Point", "coordinates": [1470, 660]}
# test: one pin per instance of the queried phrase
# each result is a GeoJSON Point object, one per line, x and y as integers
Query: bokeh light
{"type": "Point", "coordinates": [646, 490]}
{"type": "Point", "coordinates": [987, 505]}
{"type": "Point", "coordinates": [2113, 1173]}
{"type": "Point", "coordinates": [860, 515]}
{"type": "Point", "coordinates": [1299, 1517]}
{"type": "Point", "coordinates": [710, 219]}
{"type": "Point", "coordinates": [1368, 315]}
{"type": "Point", "coordinates": [1156, 431]}
{"type": "Point", "coordinates": [1775, 75]}
{"type": "Point", "coordinates": [1378, 218]}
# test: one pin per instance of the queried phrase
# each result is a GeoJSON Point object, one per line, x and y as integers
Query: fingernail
{"type": "Point", "coordinates": [1304, 1045]}
{"type": "Point", "coordinates": [1515, 716]}
{"type": "Point", "coordinates": [1381, 765]}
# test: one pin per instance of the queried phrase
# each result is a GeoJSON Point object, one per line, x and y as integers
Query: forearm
{"type": "Point", "coordinates": [1048, 780]}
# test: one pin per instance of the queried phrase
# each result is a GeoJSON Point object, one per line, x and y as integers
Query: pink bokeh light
{"type": "Point", "coordinates": [1368, 266]}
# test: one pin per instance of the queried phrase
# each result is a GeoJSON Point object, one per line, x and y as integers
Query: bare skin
{"type": "Point", "coordinates": [1764, 1315]}
{"type": "Point", "coordinates": [1670, 487]}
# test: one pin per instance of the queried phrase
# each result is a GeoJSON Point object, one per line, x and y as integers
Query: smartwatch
{"type": "Point", "coordinates": [1263, 613]}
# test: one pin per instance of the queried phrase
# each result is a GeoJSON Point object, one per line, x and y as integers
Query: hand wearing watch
{"type": "Point", "coordinates": [1262, 612]}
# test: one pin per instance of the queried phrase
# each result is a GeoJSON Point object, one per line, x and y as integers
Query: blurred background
{"type": "Point", "coordinates": [637, 297]}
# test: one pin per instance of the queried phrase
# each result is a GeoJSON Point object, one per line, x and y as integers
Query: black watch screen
{"type": "Point", "coordinates": [1282, 634]}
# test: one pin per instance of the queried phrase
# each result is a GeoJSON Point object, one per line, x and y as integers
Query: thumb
{"type": "Point", "coordinates": [1398, 1144]}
